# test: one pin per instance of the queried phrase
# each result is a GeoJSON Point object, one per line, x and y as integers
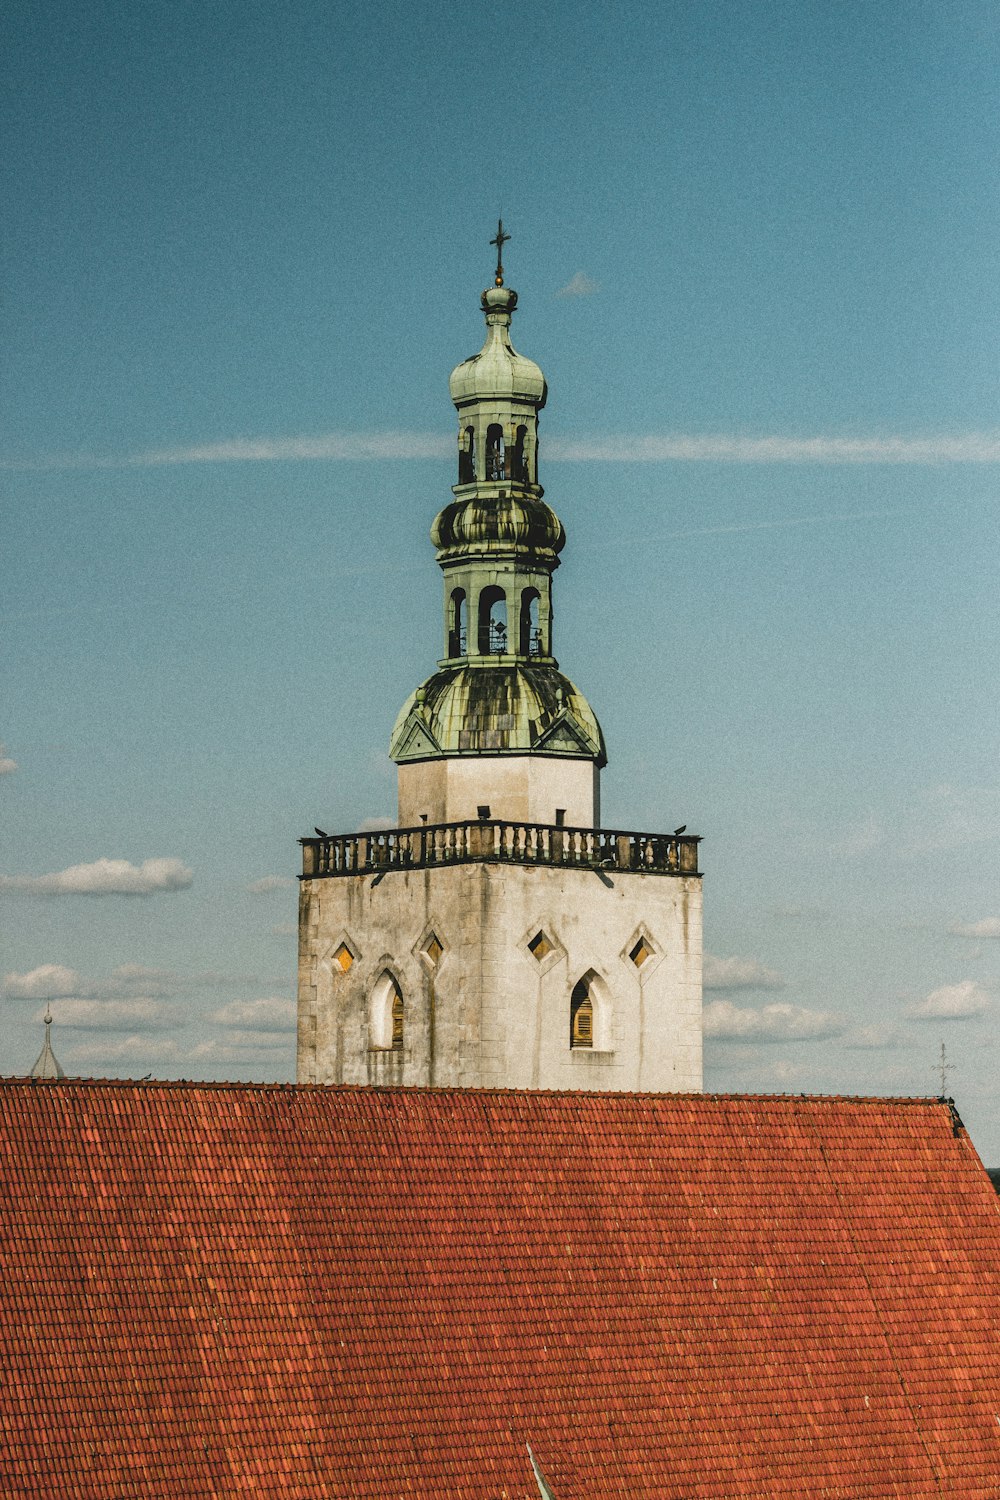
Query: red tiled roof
{"type": "Point", "coordinates": [231, 1291]}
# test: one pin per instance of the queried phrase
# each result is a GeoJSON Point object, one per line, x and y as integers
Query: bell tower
{"type": "Point", "coordinates": [498, 725]}
{"type": "Point", "coordinates": [499, 936]}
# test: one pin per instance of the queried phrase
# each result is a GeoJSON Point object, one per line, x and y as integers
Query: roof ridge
{"type": "Point", "coordinates": [235, 1085]}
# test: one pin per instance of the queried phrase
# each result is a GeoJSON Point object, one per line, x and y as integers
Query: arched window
{"type": "Point", "coordinates": [492, 621]}
{"type": "Point", "coordinates": [494, 451]}
{"type": "Point", "coordinates": [530, 634]}
{"type": "Point", "coordinates": [519, 465]}
{"type": "Point", "coordinates": [385, 1015]}
{"type": "Point", "coordinates": [581, 1015]}
{"type": "Point", "coordinates": [467, 457]}
{"type": "Point", "coordinates": [457, 624]}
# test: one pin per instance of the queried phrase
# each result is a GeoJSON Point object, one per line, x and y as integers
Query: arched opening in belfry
{"type": "Point", "coordinates": [457, 624]}
{"type": "Point", "coordinates": [519, 463]}
{"type": "Point", "coordinates": [492, 621]}
{"type": "Point", "coordinates": [494, 451]}
{"type": "Point", "coordinates": [467, 457]}
{"type": "Point", "coordinates": [530, 632]}
{"type": "Point", "coordinates": [385, 1015]}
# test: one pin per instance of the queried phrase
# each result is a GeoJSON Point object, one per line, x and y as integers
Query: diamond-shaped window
{"type": "Point", "coordinates": [540, 945]}
{"type": "Point", "coordinates": [640, 953]}
{"type": "Point", "coordinates": [432, 948]}
{"type": "Point", "coordinates": [343, 958]}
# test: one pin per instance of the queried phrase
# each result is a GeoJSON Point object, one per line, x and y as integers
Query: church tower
{"type": "Point", "coordinates": [499, 936]}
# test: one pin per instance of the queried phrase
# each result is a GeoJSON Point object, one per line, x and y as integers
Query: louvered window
{"type": "Point", "coordinates": [581, 1016]}
{"type": "Point", "coordinates": [397, 1020]}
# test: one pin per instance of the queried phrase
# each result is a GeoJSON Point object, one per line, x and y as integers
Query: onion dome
{"type": "Point", "coordinates": [506, 710]}
{"type": "Point", "coordinates": [515, 521]}
{"type": "Point", "coordinates": [498, 371]}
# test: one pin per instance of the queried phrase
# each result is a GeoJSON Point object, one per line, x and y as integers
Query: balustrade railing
{"type": "Point", "coordinates": [498, 842]}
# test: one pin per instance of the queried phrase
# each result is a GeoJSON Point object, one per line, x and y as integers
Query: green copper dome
{"type": "Point", "coordinates": [510, 709]}
{"type": "Point", "coordinates": [498, 370]}
{"type": "Point", "coordinates": [517, 521]}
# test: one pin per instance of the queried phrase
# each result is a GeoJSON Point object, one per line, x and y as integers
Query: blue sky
{"type": "Point", "coordinates": [756, 249]}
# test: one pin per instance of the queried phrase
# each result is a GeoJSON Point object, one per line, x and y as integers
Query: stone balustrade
{"type": "Point", "coordinates": [498, 842]}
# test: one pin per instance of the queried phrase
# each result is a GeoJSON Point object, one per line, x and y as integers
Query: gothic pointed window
{"type": "Point", "coordinates": [581, 1016]}
{"type": "Point", "coordinates": [386, 1015]}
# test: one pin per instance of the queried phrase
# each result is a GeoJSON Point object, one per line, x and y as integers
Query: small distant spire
{"type": "Point", "coordinates": [47, 1065]}
{"type": "Point", "coordinates": [500, 240]}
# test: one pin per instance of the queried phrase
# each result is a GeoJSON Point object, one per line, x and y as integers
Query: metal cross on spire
{"type": "Point", "coordinates": [500, 240]}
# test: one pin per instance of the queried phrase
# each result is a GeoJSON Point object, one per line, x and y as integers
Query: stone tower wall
{"type": "Point", "coordinates": [489, 1012]}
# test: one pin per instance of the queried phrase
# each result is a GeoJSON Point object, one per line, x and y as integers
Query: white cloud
{"type": "Point", "coordinates": [579, 285]}
{"type": "Point", "coordinates": [953, 1002]}
{"type": "Point", "coordinates": [55, 981]}
{"type": "Point", "coordinates": [268, 883]}
{"type": "Point", "coordinates": [731, 448]}
{"type": "Point", "coordinates": [47, 982]}
{"type": "Point", "coordinates": [141, 1049]}
{"type": "Point", "coordinates": [271, 1014]}
{"type": "Point", "coordinates": [7, 766]}
{"type": "Point", "coordinates": [989, 927]}
{"type": "Point", "coordinates": [873, 1039]}
{"type": "Point", "coordinates": [237, 1044]}
{"type": "Point", "coordinates": [738, 974]}
{"type": "Point", "coordinates": [105, 877]}
{"type": "Point", "coordinates": [378, 824]}
{"type": "Point", "coordinates": [972, 447]}
{"type": "Point", "coordinates": [136, 979]}
{"type": "Point", "coordinates": [141, 1014]}
{"type": "Point", "coordinates": [726, 1022]}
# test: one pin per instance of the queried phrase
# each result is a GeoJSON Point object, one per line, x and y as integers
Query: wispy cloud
{"type": "Point", "coordinates": [579, 285]}
{"type": "Point", "coordinates": [726, 1022]}
{"type": "Point", "coordinates": [145, 1014]}
{"type": "Point", "coordinates": [107, 1053]}
{"type": "Point", "coordinates": [719, 447]}
{"type": "Point", "coordinates": [105, 877]}
{"type": "Point", "coordinates": [953, 1002]}
{"type": "Point", "coordinates": [56, 981]}
{"type": "Point", "coordinates": [344, 446]}
{"type": "Point", "coordinates": [873, 1039]}
{"type": "Point", "coordinates": [7, 766]}
{"type": "Point", "coordinates": [738, 974]}
{"type": "Point", "coordinates": [989, 927]}
{"type": "Point", "coordinates": [273, 1014]}
{"type": "Point", "coordinates": [731, 448]}
{"type": "Point", "coordinates": [268, 883]}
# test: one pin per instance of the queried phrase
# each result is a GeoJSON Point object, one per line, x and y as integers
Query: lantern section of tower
{"type": "Point", "coordinates": [498, 724]}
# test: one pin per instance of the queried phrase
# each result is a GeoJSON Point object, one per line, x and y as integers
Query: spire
{"type": "Point", "coordinates": [47, 1065]}
{"type": "Point", "coordinates": [498, 690]}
